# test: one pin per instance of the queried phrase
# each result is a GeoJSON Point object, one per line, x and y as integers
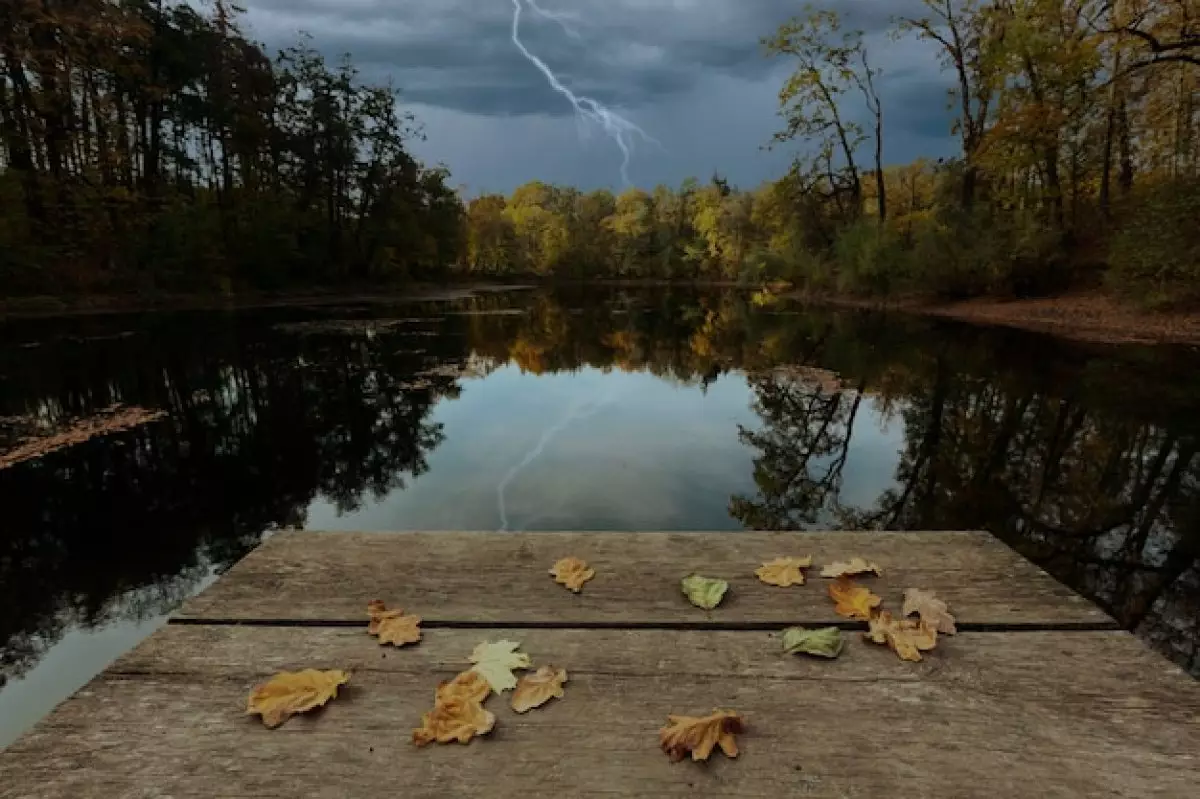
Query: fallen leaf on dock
{"type": "Point", "coordinates": [704, 592]}
{"type": "Point", "coordinates": [783, 572]}
{"type": "Point", "coordinates": [933, 611]}
{"type": "Point", "coordinates": [457, 719]}
{"type": "Point", "coordinates": [573, 573]}
{"type": "Point", "coordinates": [535, 690]}
{"type": "Point", "coordinates": [470, 685]}
{"type": "Point", "coordinates": [907, 637]}
{"type": "Point", "coordinates": [850, 568]}
{"type": "Point", "coordinates": [496, 661]}
{"type": "Point", "coordinates": [852, 600]}
{"type": "Point", "coordinates": [826, 642]}
{"type": "Point", "coordinates": [289, 693]}
{"type": "Point", "coordinates": [392, 626]}
{"type": "Point", "coordinates": [699, 736]}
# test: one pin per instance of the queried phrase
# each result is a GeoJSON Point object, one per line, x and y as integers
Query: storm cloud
{"type": "Point", "coordinates": [690, 72]}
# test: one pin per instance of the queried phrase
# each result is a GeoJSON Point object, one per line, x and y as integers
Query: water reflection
{"type": "Point", "coordinates": [583, 410]}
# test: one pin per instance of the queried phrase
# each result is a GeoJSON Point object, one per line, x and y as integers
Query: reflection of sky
{"type": "Point", "coordinates": [70, 663]}
{"type": "Point", "coordinates": [630, 452]}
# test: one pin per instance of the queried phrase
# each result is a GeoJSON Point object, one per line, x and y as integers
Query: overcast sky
{"type": "Point", "coordinates": [690, 73]}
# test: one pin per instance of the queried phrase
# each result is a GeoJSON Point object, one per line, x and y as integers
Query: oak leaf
{"type": "Point", "coordinates": [783, 572]}
{"type": "Point", "coordinates": [455, 719]}
{"type": "Point", "coordinates": [392, 626]}
{"type": "Point", "coordinates": [288, 693]}
{"type": "Point", "coordinates": [496, 661]}
{"type": "Point", "coordinates": [850, 568]}
{"type": "Point", "coordinates": [685, 734]}
{"type": "Point", "coordinates": [573, 573]}
{"type": "Point", "coordinates": [470, 685]}
{"type": "Point", "coordinates": [704, 592]}
{"type": "Point", "coordinates": [854, 601]}
{"type": "Point", "coordinates": [907, 637]}
{"type": "Point", "coordinates": [932, 610]}
{"type": "Point", "coordinates": [535, 690]}
{"type": "Point", "coordinates": [826, 642]}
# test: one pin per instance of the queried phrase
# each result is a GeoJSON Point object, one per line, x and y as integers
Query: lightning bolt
{"type": "Point", "coordinates": [623, 132]}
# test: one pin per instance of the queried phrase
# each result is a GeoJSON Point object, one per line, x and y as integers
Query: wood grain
{"type": "Point", "coordinates": [1047, 714]}
{"type": "Point", "coordinates": [456, 578]}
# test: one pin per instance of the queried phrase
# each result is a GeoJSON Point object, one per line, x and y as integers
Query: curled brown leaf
{"type": "Point", "coordinates": [699, 735]}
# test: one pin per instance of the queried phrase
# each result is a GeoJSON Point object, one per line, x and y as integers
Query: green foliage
{"type": "Point", "coordinates": [1156, 253]}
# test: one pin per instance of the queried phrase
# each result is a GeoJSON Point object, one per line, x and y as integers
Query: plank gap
{"type": "Point", "coordinates": [666, 626]}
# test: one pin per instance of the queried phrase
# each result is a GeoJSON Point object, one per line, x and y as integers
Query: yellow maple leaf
{"type": "Point", "coordinates": [783, 572]}
{"type": "Point", "coordinates": [470, 685]}
{"type": "Point", "coordinates": [932, 610]}
{"type": "Point", "coordinates": [392, 626]}
{"type": "Point", "coordinates": [455, 719]}
{"type": "Point", "coordinates": [535, 690]}
{"type": "Point", "coordinates": [573, 573]}
{"type": "Point", "coordinates": [685, 734]}
{"type": "Point", "coordinates": [496, 661]}
{"type": "Point", "coordinates": [907, 637]}
{"type": "Point", "coordinates": [849, 568]}
{"type": "Point", "coordinates": [854, 601]}
{"type": "Point", "coordinates": [288, 693]}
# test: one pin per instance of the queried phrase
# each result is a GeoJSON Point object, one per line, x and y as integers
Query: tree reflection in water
{"type": "Point", "coordinates": [1084, 459]}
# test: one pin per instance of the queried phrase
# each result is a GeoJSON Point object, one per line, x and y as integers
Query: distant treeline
{"type": "Point", "coordinates": [1079, 123]}
{"type": "Point", "coordinates": [147, 145]}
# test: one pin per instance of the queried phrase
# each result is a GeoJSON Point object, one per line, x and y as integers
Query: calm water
{"type": "Point", "coordinates": [596, 410]}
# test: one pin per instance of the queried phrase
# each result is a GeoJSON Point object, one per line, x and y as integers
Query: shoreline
{"type": "Point", "coordinates": [1087, 317]}
{"type": "Point", "coordinates": [1090, 317]}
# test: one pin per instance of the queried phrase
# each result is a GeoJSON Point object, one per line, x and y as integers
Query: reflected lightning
{"type": "Point", "coordinates": [623, 132]}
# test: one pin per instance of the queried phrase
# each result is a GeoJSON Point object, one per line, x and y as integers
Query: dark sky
{"type": "Point", "coordinates": [690, 73]}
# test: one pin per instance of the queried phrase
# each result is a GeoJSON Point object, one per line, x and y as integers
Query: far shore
{"type": "Point", "coordinates": [1089, 316]}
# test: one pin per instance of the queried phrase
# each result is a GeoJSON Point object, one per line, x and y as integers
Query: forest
{"type": "Point", "coordinates": [1079, 125]}
{"type": "Point", "coordinates": [151, 145]}
{"type": "Point", "coordinates": [187, 158]}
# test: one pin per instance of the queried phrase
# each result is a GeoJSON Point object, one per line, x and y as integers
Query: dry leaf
{"type": "Point", "coordinates": [850, 568]}
{"type": "Point", "coordinates": [535, 690]}
{"type": "Point", "coordinates": [854, 601]}
{"type": "Point", "coordinates": [783, 572]}
{"type": "Point", "coordinates": [704, 592]}
{"type": "Point", "coordinates": [907, 637]}
{"type": "Point", "coordinates": [573, 573]}
{"type": "Point", "coordinates": [932, 610]}
{"type": "Point", "coordinates": [457, 719]}
{"type": "Point", "coordinates": [392, 626]}
{"type": "Point", "coordinates": [470, 685]}
{"type": "Point", "coordinates": [685, 734]}
{"type": "Point", "coordinates": [288, 693]}
{"type": "Point", "coordinates": [496, 663]}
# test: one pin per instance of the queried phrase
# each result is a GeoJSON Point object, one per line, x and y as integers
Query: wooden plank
{"type": "Point", "coordinates": [1051, 714]}
{"type": "Point", "coordinates": [454, 578]}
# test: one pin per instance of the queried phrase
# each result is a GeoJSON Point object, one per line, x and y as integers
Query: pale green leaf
{"type": "Point", "coordinates": [495, 662]}
{"type": "Point", "coordinates": [704, 592]}
{"type": "Point", "coordinates": [825, 642]}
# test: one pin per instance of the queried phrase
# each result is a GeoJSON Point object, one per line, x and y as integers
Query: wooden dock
{"type": "Point", "coordinates": [1039, 695]}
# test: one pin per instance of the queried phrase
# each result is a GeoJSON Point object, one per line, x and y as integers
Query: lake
{"type": "Point", "coordinates": [572, 409]}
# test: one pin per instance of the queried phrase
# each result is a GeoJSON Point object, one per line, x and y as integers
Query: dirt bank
{"type": "Point", "coordinates": [1084, 317]}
